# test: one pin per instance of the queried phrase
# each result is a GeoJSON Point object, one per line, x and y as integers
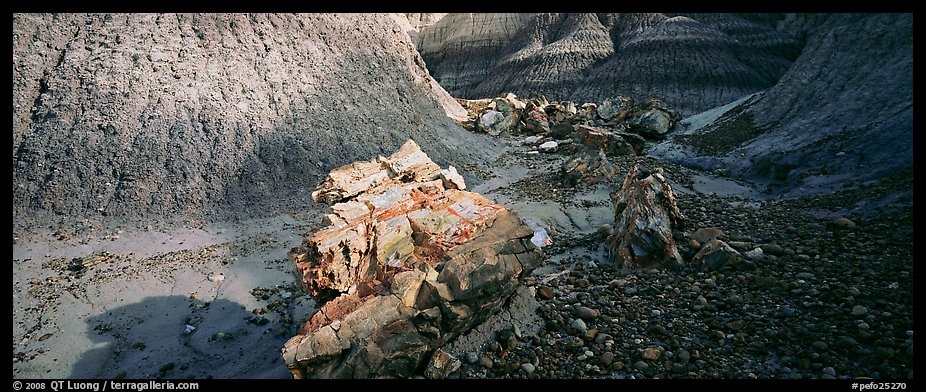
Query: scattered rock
{"type": "Point", "coordinates": [716, 255]}
{"type": "Point", "coordinates": [615, 109]}
{"type": "Point", "coordinates": [773, 249]}
{"type": "Point", "coordinates": [701, 300]}
{"type": "Point", "coordinates": [614, 144]}
{"type": "Point", "coordinates": [586, 313]}
{"type": "Point", "coordinates": [536, 122]}
{"type": "Point", "coordinates": [166, 367]}
{"type": "Point", "coordinates": [694, 244]}
{"type": "Point", "coordinates": [548, 147]}
{"type": "Point", "coordinates": [579, 326]}
{"type": "Point", "coordinates": [544, 292]}
{"type": "Point", "coordinates": [533, 140]}
{"type": "Point", "coordinates": [684, 356]}
{"type": "Point", "coordinates": [859, 310]}
{"type": "Point", "coordinates": [606, 359]}
{"type": "Point", "coordinates": [589, 166]}
{"type": "Point", "coordinates": [441, 365]}
{"type": "Point", "coordinates": [706, 234]}
{"type": "Point", "coordinates": [486, 362]}
{"type": "Point", "coordinates": [753, 254]}
{"type": "Point", "coordinates": [655, 119]}
{"type": "Point", "coordinates": [651, 353]}
{"type": "Point", "coordinates": [493, 123]}
{"type": "Point", "coordinates": [804, 275]}
{"type": "Point", "coordinates": [885, 352]}
{"type": "Point", "coordinates": [452, 179]}
{"type": "Point", "coordinates": [844, 223]}
{"type": "Point", "coordinates": [528, 368]}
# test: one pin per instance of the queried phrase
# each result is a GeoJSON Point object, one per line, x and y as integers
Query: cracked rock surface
{"type": "Point", "coordinates": [408, 262]}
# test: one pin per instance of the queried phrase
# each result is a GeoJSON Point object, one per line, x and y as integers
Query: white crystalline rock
{"type": "Point", "coordinates": [452, 179]}
{"type": "Point", "coordinates": [540, 238]}
{"type": "Point", "coordinates": [490, 118]}
{"type": "Point", "coordinates": [549, 146]}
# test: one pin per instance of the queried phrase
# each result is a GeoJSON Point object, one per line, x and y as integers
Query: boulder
{"type": "Point", "coordinates": [536, 122]}
{"type": "Point", "coordinates": [653, 119]}
{"type": "Point", "coordinates": [612, 142]}
{"type": "Point", "coordinates": [615, 109]}
{"type": "Point", "coordinates": [645, 215]}
{"type": "Point", "coordinates": [500, 115]}
{"type": "Point", "coordinates": [407, 261]}
{"type": "Point", "coordinates": [652, 123]}
{"type": "Point", "coordinates": [493, 122]}
{"type": "Point", "coordinates": [561, 130]}
{"type": "Point", "coordinates": [587, 165]}
{"type": "Point", "coordinates": [717, 255]}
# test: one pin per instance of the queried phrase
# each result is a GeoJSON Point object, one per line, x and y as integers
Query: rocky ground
{"type": "Point", "coordinates": [825, 301]}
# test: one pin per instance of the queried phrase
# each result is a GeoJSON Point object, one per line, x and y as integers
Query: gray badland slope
{"type": "Point", "coordinates": [843, 111]}
{"type": "Point", "coordinates": [157, 117]}
{"type": "Point", "coordinates": [694, 62]}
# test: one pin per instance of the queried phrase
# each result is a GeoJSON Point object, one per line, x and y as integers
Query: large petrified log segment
{"type": "Point", "coordinates": [645, 215]}
{"type": "Point", "coordinates": [408, 261]}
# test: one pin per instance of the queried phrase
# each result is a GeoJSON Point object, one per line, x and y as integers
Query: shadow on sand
{"type": "Point", "coordinates": [147, 339]}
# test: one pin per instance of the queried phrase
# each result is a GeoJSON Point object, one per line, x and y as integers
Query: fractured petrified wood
{"type": "Point", "coordinates": [404, 266]}
{"type": "Point", "coordinates": [614, 143]}
{"type": "Point", "coordinates": [588, 165]}
{"type": "Point", "coordinates": [645, 215]}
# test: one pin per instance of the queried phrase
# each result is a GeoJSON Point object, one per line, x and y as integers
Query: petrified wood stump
{"type": "Point", "coordinates": [645, 214]}
{"type": "Point", "coordinates": [408, 261]}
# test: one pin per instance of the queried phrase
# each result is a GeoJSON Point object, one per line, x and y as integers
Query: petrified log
{"type": "Point", "coordinates": [615, 109]}
{"type": "Point", "coordinates": [654, 118]}
{"type": "Point", "coordinates": [408, 261]}
{"type": "Point", "coordinates": [614, 143]}
{"type": "Point", "coordinates": [589, 165]}
{"type": "Point", "coordinates": [645, 215]}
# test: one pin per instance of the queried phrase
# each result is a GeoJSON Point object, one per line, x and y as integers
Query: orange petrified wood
{"type": "Point", "coordinates": [408, 260]}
